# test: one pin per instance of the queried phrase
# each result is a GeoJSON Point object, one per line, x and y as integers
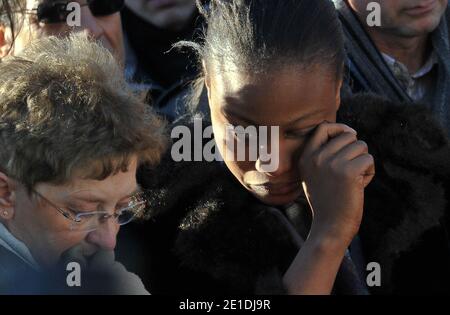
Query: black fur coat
{"type": "Point", "coordinates": [208, 235]}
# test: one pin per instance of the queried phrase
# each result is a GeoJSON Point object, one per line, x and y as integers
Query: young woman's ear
{"type": "Point", "coordinates": [5, 42]}
{"type": "Point", "coordinates": [7, 197]}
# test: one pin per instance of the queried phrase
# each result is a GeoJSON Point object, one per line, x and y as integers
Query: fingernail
{"type": "Point", "coordinates": [352, 130]}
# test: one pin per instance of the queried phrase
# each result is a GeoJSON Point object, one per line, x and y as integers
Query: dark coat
{"type": "Point", "coordinates": [208, 235]}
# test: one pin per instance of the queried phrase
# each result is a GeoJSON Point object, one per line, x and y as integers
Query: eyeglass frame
{"type": "Point", "coordinates": [77, 219]}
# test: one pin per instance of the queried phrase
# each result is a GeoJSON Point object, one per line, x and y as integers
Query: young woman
{"type": "Point", "coordinates": [237, 227]}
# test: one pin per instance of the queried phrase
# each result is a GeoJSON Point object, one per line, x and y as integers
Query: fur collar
{"type": "Point", "coordinates": [409, 196]}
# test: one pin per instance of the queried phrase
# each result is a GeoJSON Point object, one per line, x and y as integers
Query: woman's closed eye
{"type": "Point", "coordinates": [80, 209]}
{"type": "Point", "coordinates": [75, 212]}
{"type": "Point", "coordinates": [299, 133]}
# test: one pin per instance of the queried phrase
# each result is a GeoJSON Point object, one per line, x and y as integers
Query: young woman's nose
{"type": "Point", "coordinates": [281, 156]}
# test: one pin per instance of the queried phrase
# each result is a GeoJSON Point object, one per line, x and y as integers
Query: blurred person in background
{"type": "Point", "coordinates": [22, 21]}
{"type": "Point", "coordinates": [151, 28]}
{"type": "Point", "coordinates": [406, 58]}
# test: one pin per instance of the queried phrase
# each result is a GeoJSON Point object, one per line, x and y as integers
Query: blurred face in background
{"type": "Point", "coordinates": [405, 18]}
{"type": "Point", "coordinates": [165, 14]}
{"type": "Point", "coordinates": [105, 29]}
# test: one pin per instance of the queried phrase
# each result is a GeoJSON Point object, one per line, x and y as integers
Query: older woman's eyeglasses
{"type": "Point", "coordinates": [90, 221]}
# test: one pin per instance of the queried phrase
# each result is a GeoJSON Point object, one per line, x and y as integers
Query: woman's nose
{"type": "Point", "coordinates": [105, 236]}
{"type": "Point", "coordinates": [278, 162]}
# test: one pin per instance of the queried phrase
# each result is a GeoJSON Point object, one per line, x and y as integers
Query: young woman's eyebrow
{"type": "Point", "coordinates": [304, 117]}
{"type": "Point", "coordinates": [231, 114]}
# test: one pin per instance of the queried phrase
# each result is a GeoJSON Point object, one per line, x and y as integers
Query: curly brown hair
{"type": "Point", "coordinates": [65, 107]}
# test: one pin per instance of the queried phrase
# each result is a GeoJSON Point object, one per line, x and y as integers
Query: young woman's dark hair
{"type": "Point", "coordinates": [258, 35]}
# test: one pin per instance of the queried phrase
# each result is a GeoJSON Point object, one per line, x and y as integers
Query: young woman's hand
{"type": "Point", "coordinates": [335, 168]}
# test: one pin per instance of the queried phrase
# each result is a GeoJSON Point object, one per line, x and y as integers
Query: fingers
{"type": "Point", "coordinates": [337, 145]}
{"type": "Point", "coordinates": [327, 141]}
{"type": "Point", "coordinates": [370, 174]}
{"type": "Point", "coordinates": [324, 133]}
{"type": "Point", "coordinates": [364, 166]}
{"type": "Point", "coordinates": [352, 150]}
{"type": "Point", "coordinates": [343, 141]}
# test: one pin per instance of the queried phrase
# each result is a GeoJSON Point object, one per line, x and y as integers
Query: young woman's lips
{"type": "Point", "coordinates": [277, 189]}
{"type": "Point", "coordinates": [423, 8]}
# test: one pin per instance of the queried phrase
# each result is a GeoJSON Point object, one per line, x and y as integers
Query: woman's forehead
{"type": "Point", "coordinates": [280, 96]}
{"type": "Point", "coordinates": [279, 80]}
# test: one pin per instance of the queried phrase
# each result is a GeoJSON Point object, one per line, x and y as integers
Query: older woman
{"type": "Point", "coordinates": [71, 138]}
